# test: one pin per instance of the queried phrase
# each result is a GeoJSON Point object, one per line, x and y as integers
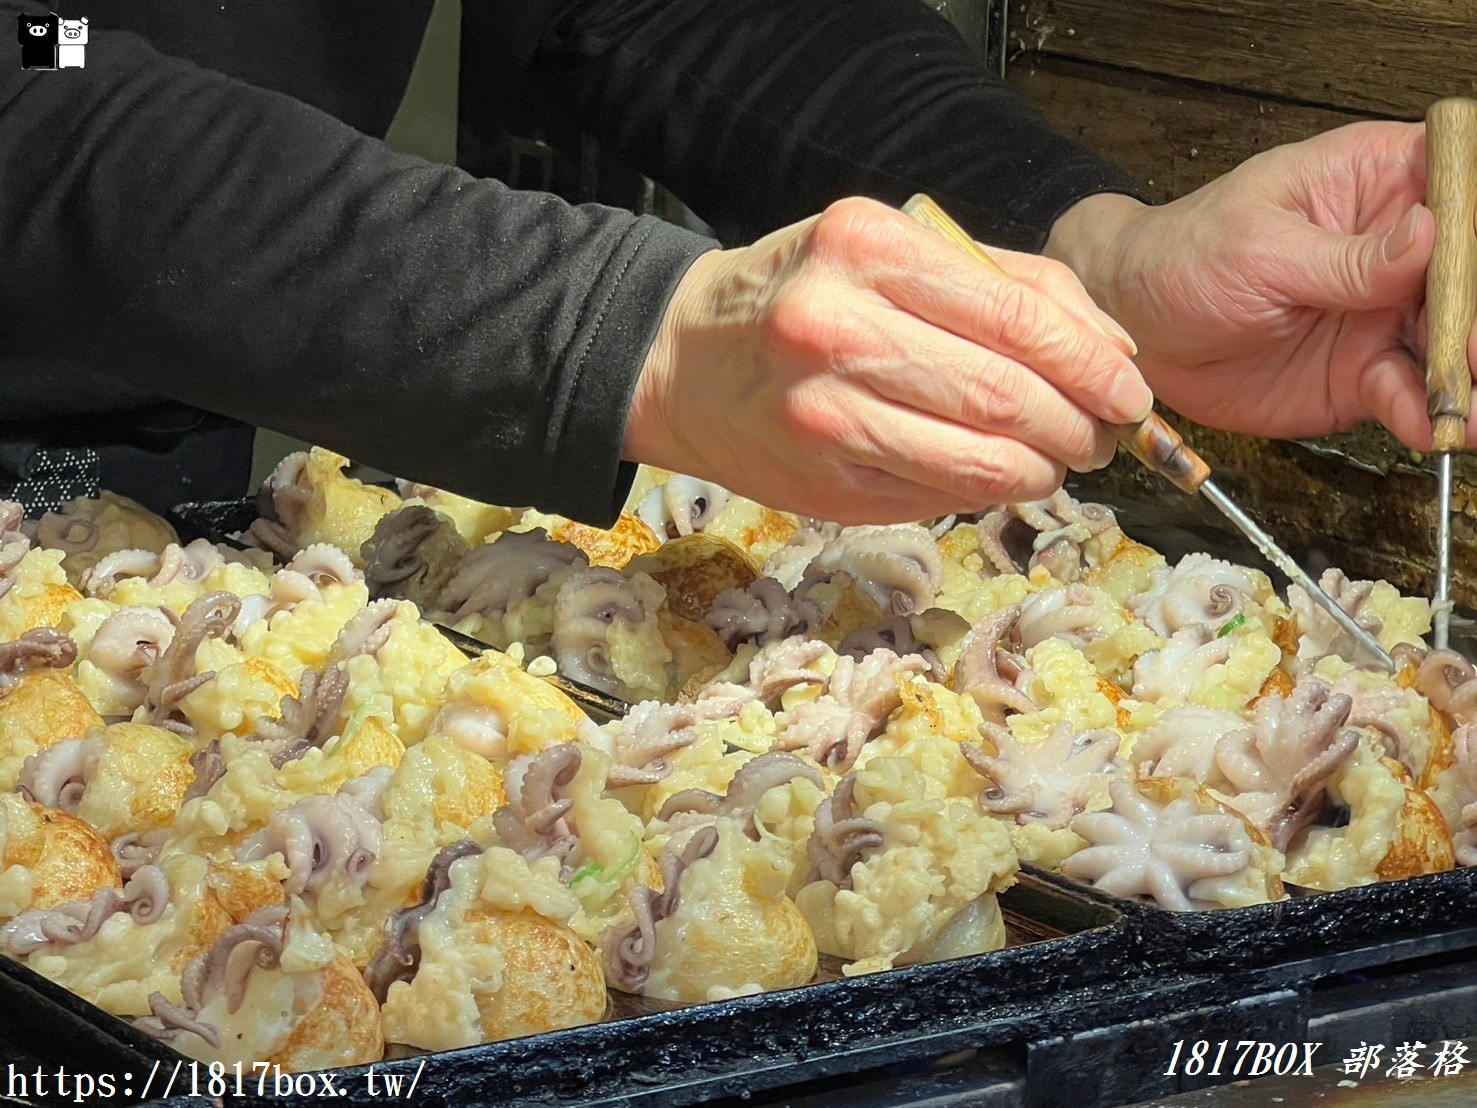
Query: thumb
{"type": "Point", "coordinates": [1366, 272]}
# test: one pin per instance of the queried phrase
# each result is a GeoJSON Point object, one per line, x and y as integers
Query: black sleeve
{"type": "Point", "coordinates": [758, 113]}
{"type": "Point", "coordinates": [239, 251]}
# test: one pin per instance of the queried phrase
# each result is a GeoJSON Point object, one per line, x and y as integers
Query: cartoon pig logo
{"type": "Point", "coordinates": [71, 51]}
{"type": "Point", "coordinates": [38, 36]}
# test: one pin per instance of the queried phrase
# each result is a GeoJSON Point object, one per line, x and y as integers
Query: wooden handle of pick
{"type": "Point", "coordinates": [1451, 280]}
{"type": "Point", "coordinates": [1152, 441]}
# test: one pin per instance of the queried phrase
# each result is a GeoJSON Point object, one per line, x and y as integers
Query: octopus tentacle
{"type": "Point", "coordinates": [172, 678]}
{"type": "Point", "coordinates": [1318, 633]}
{"type": "Point", "coordinates": [39, 648]}
{"type": "Point", "coordinates": [534, 821]}
{"type": "Point", "coordinates": [274, 537]}
{"type": "Point", "coordinates": [978, 673]}
{"type": "Point", "coordinates": [1049, 782]}
{"type": "Point", "coordinates": [319, 838]}
{"type": "Point", "coordinates": [898, 566]}
{"type": "Point", "coordinates": [1164, 852]}
{"type": "Point", "coordinates": [1068, 612]}
{"type": "Point", "coordinates": [842, 837]}
{"type": "Point", "coordinates": [103, 578]}
{"type": "Point", "coordinates": [1050, 533]}
{"type": "Point", "coordinates": [209, 766]}
{"type": "Point", "coordinates": [1446, 679]}
{"type": "Point", "coordinates": [630, 951]}
{"type": "Point", "coordinates": [308, 719]}
{"type": "Point", "coordinates": [1200, 592]}
{"type": "Point", "coordinates": [412, 555]}
{"type": "Point", "coordinates": [587, 605]}
{"type": "Point", "coordinates": [324, 564]}
{"type": "Point", "coordinates": [1172, 671]}
{"type": "Point", "coordinates": [1281, 768]}
{"type": "Point", "coordinates": [217, 973]}
{"type": "Point", "coordinates": [650, 733]}
{"type": "Point", "coordinates": [773, 671]}
{"type": "Point", "coordinates": [762, 613]}
{"type": "Point", "coordinates": [170, 1021]}
{"type": "Point", "coordinates": [147, 894]}
{"type": "Point", "coordinates": [682, 506]}
{"type": "Point", "coordinates": [859, 698]}
{"type": "Point", "coordinates": [754, 778]}
{"type": "Point", "coordinates": [398, 956]}
{"type": "Point", "coordinates": [283, 505]}
{"type": "Point", "coordinates": [125, 645]}
{"type": "Point", "coordinates": [57, 776]}
{"type": "Point", "coordinates": [366, 632]}
{"type": "Point", "coordinates": [14, 545]}
{"type": "Point", "coordinates": [133, 851]}
{"type": "Point", "coordinates": [145, 897]}
{"type": "Point", "coordinates": [788, 564]}
{"type": "Point", "coordinates": [188, 564]}
{"type": "Point", "coordinates": [497, 575]}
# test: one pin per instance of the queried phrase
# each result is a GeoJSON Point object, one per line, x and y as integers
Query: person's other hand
{"type": "Point", "coordinates": [1283, 299]}
{"type": "Point", "coordinates": [858, 367]}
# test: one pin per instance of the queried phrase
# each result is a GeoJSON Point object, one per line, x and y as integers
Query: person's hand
{"type": "Point", "coordinates": [858, 367]}
{"type": "Point", "coordinates": [1283, 299]}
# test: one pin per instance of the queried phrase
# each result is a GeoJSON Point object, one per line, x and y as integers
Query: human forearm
{"type": "Point", "coordinates": [236, 250]}
{"type": "Point", "coordinates": [1089, 238]}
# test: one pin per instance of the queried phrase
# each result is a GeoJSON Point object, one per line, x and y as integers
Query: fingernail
{"type": "Point", "coordinates": [1402, 236]}
{"type": "Point", "coordinates": [1129, 399]}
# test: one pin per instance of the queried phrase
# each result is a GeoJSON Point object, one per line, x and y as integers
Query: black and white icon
{"type": "Point", "coordinates": [39, 36]}
{"type": "Point", "coordinates": [71, 50]}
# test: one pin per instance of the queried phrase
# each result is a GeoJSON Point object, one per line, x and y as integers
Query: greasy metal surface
{"type": "Point", "coordinates": [43, 1021]}
{"type": "Point", "coordinates": [1314, 932]}
{"type": "Point", "coordinates": [1097, 1007]}
{"type": "Point", "coordinates": [216, 520]}
{"type": "Point", "coordinates": [1052, 985]}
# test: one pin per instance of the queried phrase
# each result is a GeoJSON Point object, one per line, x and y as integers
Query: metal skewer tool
{"type": "Point", "coordinates": [1159, 447]}
{"type": "Point", "coordinates": [1451, 303]}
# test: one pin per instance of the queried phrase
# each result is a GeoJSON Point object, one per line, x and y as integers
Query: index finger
{"type": "Point", "coordinates": [1054, 280]}
{"type": "Point", "coordinates": [928, 276]}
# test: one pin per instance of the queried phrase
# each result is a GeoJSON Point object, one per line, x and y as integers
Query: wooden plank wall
{"type": "Point", "coordinates": [1180, 90]}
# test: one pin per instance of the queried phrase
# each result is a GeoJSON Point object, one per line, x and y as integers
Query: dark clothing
{"type": "Point", "coordinates": [245, 252]}
{"type": "Point", "coordinates": [758, 113]}
{"type": "Point", "coordinates": [353, 66]}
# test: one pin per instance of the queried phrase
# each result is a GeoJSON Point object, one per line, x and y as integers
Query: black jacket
{"type": "Point", "coordinates": [168, 229]}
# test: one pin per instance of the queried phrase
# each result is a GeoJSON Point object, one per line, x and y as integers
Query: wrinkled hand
{"type": "Point", "coordinates": [858, 367]}
{"type": "Point", "coordinates": [1283, 299]}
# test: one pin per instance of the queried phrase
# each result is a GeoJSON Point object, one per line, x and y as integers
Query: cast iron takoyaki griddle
{"type": "Point", "coordinates": [1075, 953]}
{"type": "Point", "coordinates": [216, 520]}
{"type": "Point", "coordinates": [1122, 975]}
